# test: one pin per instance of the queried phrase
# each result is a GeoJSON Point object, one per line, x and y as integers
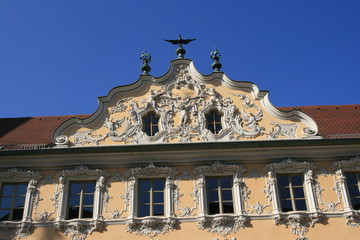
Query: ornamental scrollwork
{"type": "Point", "coordinates": [298, 223]}
{"type": "Point", "coordinates": [330, 205]}
{"type": "Point", "coordinates": [79, 230]}
{"type": "Point", "coordinates": [223, 225]}
{"type": "Point", "coordinates": [151, 227]}
{"type": "Point", "coordinates": [182, 105]}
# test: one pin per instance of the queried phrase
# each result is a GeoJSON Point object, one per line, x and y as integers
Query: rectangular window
{"type": "Point", "coordinates": [219, 195]}
{"type": "Point", "coordinates": [12, 201]}
{"type": "Point", "coordinates": [353, 185]}
{"type": "Point", "coordinates": [151, 197]}
{"type": "Point", "coordinates": [81, 200]}
{"type": "Point", "coordinates": [291, 191]}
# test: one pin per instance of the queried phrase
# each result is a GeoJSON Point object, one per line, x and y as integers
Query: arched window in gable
{"type": "Point", "coordinates": [151, 124]}
{"type": "Point", "coordinates": [213, 121]}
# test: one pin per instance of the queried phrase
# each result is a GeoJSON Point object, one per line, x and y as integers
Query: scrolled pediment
{"type": "Point", "coordinates": [182, 100]}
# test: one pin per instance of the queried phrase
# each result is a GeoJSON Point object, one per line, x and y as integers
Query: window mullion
{"type": "Point", "coordinates": [81, 200]}
{"type": "Point", "coordinates": [291, 193]}
{"type": "Point", "coordinates": [151, 198]}
{"type": "Point", "coordinates": [220, 196]}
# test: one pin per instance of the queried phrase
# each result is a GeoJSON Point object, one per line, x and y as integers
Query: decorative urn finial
{"type": "Point", "coordinates": [215, 55]}
{"type": "Point", "coordinates": [146, 58]}
{"type": "Point", "coordinates": [180, 51]}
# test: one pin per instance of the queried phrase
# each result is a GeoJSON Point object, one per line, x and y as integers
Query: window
{"type": "Point", "coordinates": [353, 185]}
{"type": "Point", "coordinates": [291, 192]}
{"type": "Point", "coordinates": [151, 197]}
{"type": "Point", "coordinates": [151, 124]}
{"type": "Point", "coordinates": [219, 195]}
{"type": "Point", "coordinates": [213, 121]}
{"type": "Point", "coordinates": [12, 201]}
{"type": "Point", "coordinates": [81, 200]}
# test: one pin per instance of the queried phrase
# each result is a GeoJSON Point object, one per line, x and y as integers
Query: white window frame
{"type": "Point", "coordinates": [80, 173]}
{"type": "Point", "coordinates": [352, 165]}
{"type": "Point", "coordinates": [290, 166]}
{"type": "Point", "coordinates": [149, 172]}
{"type": "Point", "coordinates": [220, 170]}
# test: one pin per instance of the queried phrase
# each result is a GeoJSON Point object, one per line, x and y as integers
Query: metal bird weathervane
{"type": "Point", "coordinates": [180, 51]}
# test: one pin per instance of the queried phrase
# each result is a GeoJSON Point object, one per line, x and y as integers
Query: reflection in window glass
{"type": "Point", "coordinates": [12, 201]}
{"type": "Point", "coordinates": [81, 200]}
{"type": "Point", "coordinates": [219, 195]}
{"type": "Point", "coordinates": [353, 185]}
{"type": "Point", "coordinates": [151, 197]}
{"type": "Point", "coordinates": [291, 191]}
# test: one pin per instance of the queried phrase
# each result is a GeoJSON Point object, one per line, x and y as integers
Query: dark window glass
{"type": "Point", "coordinates": [291, 191]}
{"type": "Point", "coordinates": [151, 197]}
{"type": "Point", "coordinates": [213, 121]}
{"type": "Point", "coordinates": [151, 124]}
{"type": "Point", "coordinates": [353, 185]}
{"type": "Point", "coordinates": [81, 200]}
{"type": "Point", "coordinates": [219, 195]}
{"type": "Point", "coordinates": [12, 201]}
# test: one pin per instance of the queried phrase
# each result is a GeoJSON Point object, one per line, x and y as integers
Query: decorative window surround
{"type": "Point", "coordinates": [222, 224]}
{"type": "Point", "coordinates": [23, 228]}
{"type": "Point", "coordinates": [78, 229]}
{"type": "Point", "coordinates": [151, 226]}
{"type": "Point", "coordinates": [300, 221]}
{"type": "Point", "coordinates": [353, 165]}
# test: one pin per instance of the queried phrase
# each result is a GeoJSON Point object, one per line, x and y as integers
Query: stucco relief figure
{"type": "Point", "coordinates": [113, 125]}
{"type": "Point", "coordinates": [252, 120]}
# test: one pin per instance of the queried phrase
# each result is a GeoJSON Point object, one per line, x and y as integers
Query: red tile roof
{"type": "Point", "coordinates": [334, 121]}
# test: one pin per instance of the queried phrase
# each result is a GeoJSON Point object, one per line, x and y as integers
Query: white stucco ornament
{"type": "Point", "coordinates": [182, 100]}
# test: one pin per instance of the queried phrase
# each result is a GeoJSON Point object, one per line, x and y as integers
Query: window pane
{"type": "Point", "coordinates": [87, 212]}
{"type": "Point", "coordinates": [17, 214]}
{"type": "Point", "coordinates": [21, 189]}
{"type": "Point", "coordinates": [7, 190]}
{"type": "Point", "coordinates": [144, 210]}
{"type": "Point", "coordinates": [73, 212]}
{"type": "Point", "coordinates": [74, 200]}
{"type": "Point", "coordinates": [158, 210]}
{"type": "Point", "coordinates": [158, 184]}
{"type": "Point", "coordinates": [353, 191]}
{"type": "Point", "coordinates": [351, 178]}
{"type": "Point", "coordinates": [75, 187]}
{"type": "Point", "coordinates": [300, 205]}
{"type": "Point", "coordinates": [298, 192]}
{"type": "Point", "coordinates": [144, 198]}
{"type": "Point", "coordinates": [89, 187]}
{"type": "Point", "coordinates": [355, 203]}
{"type": "Point", "coordinates": [147, 120]}
{"type": "Point", "coordinates": [226, 195]}
{"type": "Point", "coordinates": [144, 185]}
{"type": "Point", "coordinates": [212, 183]}
{"type": "Point", "coordinates": [214, 208]}
{"type": "Point", "coordinates": [282, 181]}
{"type": "Point", "coordinates": [226, 182]}
{"type": "Point", "coordinates": [6, 202]}
{"type": "Point", "coordinates": [217, 116]}
{"type": "Point", "coordinates": [296, 180]}
{"type": "Point", "coordinates": [158, 197]}
{"type": "Point", "coordinates": [286, 206]}
{"type": "Point", "coordinates": [211, 128]}
{"type": "Point", "coordinates": [19, 202]}
{"type": "Point", "coordinates": [284, 193]}
{"type": "Point", "coordinates": [228, 207]}
{"type": "Point", "coordinates": [88, 200]}
{"type": "Point", "coordinates": [4, 215]}
{"type": "Point", "coordinates": [213, 196]}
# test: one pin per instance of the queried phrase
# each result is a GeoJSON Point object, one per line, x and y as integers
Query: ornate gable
{"type": "Point", "coordinates": [182, 100]}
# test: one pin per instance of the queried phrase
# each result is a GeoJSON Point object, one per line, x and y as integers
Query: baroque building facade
{"type": "Point", "coordinates": [178, 156]}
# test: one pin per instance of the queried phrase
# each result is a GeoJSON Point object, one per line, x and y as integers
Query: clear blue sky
{"type": "Point", "coordinates": [57, 57]}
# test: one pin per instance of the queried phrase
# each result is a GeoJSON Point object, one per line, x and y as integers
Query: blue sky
{"type": "Point", "coordinates": [57, 57]}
